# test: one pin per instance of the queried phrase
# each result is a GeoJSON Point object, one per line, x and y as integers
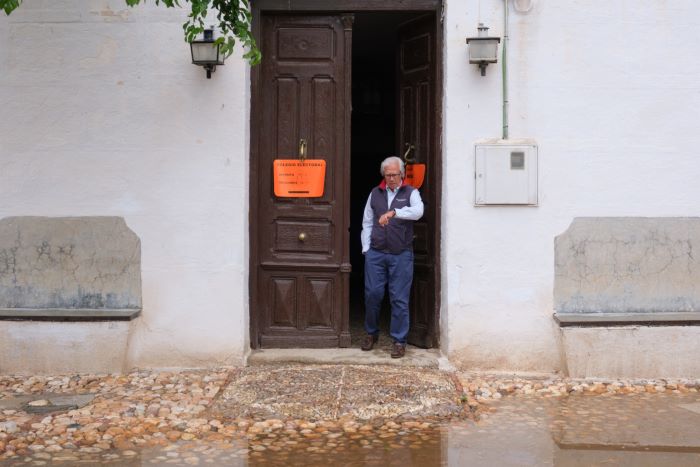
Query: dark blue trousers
{"type": "Point", "coordinates": [397, 271]}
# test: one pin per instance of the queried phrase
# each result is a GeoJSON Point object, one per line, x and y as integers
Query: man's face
{"type": "Point", "coordinates": [392, 175]}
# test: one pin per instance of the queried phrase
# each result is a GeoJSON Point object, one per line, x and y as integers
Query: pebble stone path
{"type": "Point", "coordinates": [277, 414]}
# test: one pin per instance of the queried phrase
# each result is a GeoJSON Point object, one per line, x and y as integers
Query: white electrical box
{"type": "Point", "coordinates": [505, 172]}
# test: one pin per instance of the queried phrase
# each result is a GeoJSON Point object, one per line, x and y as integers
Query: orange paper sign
{"type": "Point", "coordinates": [294, 178]}
{"type": "Point", "coordinates": [415, 174]}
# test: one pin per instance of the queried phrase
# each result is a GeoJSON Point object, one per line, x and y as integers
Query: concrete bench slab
{"type": "Point", "coordinates": [69, 314]}
{"type": "Point", "coordinates": [627, 296]}
{"type": "Point", "coordinates": [610, 319]}
{"type": "Point", "coordinates": [66, 263]}
{"type": "Point", "coordinates": [628, 264]}
{"type": "Point", "coordinates": [69, 287]}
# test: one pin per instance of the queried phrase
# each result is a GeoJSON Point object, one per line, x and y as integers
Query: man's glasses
{"type": "Point", "coordinates": [392, 175]}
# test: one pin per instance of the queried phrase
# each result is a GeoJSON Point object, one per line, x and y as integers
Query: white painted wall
{"type": "Point", "coordinates": [610, 91]}
{"type": "Point", "coordinates": [102, 113]}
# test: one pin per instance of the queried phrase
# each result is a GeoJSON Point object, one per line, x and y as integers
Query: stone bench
{"type": "Point", "coordinates": [69, 291]}
{"type": "Point", "coordinates": [627, 296]}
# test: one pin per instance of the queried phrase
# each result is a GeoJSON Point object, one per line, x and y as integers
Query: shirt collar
{"type": "Point", "coordinates": [382, 185]}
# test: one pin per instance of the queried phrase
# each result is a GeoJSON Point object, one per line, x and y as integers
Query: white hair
{"type": "Point", "coordinates": [393, 160]}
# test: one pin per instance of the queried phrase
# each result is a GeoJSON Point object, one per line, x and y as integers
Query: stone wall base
{"type": "Point", "coordinates": [50, 347]}
{"type": "Point", "coordinates": [631, 352]}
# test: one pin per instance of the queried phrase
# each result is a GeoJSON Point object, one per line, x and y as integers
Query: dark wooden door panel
{"type": "Point", "coordinates": [317, 236]}
{"type": "Point", "coordinates": [299, 302]}
{"type": "Point", "coordinates": [420, 296]}
{"type": "Point", "coordinates": [417, 127]}
{"type": "Point", "coordinates": [321, 297]}
{"type": "Point", "coordinates": [301, 245]}
{"type": "Point", "coordinates": [302, 309]}
{"type": "Point", "coordinates": [283, 300]}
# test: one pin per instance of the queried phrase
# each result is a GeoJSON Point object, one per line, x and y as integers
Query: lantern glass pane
{"type": "Point", "coordinates": [205, 53]}
{"type": "Point", "coordinates": [483, 51]}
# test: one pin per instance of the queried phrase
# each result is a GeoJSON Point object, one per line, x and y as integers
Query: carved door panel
{"type": "Point", "coordinates": [416, 63]}
{"type": "Point", "coordinates": [301, 261]}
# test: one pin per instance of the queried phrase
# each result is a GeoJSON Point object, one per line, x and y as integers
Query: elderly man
{"type": "Point", "coordinates": [387, 243]}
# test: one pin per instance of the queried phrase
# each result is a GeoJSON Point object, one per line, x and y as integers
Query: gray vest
{"type": "Point", "coordinates": [397, 236]}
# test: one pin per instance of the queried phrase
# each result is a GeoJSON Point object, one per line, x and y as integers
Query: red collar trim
{"type": "Point", "coordinates": [382, 186]}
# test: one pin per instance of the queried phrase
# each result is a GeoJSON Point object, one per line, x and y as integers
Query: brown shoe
{"type": "Point", "coordinates": [398, 350]}
{"type": "Point", "coordinates": [368, 343]}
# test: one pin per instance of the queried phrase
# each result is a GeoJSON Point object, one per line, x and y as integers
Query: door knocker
{"type": "Point", "coordinates": [409, 147]}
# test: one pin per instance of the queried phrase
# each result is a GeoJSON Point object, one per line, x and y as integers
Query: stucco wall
{"type": "Point", "coordinates": [610, 92]}
{"type": "Point", "coordinates": [102, 113]}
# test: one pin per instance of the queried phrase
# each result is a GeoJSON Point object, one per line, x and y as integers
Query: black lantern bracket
{"type": "Point", "coordinates": [206, 52]}
{"type": "Point", "coordinates": [483, 49]}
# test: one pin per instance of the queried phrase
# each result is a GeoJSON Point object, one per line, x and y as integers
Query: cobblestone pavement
{"type": "Point", "coordinates": [347, 415]}
{"type": "Point", "coordinates": [332, 392]}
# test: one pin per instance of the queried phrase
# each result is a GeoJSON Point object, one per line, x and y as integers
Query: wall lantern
{"type": "Point", "coordinates": [206, 53]}
{"type": "Point", "coordinates": [483, 49]}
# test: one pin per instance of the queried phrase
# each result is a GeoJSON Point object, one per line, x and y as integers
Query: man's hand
{"type": "Point", "coordinates": [384, 218]}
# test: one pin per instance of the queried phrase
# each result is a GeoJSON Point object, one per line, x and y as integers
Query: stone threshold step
{"type": "Point", "coordinates": [415, 357]}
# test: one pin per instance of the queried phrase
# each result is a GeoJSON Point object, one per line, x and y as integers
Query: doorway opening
{"type": "Point", "coordinates": [306, 279]}
{"type": "Point", "coordinates": [374, 137]}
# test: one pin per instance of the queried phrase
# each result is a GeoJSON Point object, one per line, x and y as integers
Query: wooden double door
{"type": "Point", "coordinates": [301, 106]}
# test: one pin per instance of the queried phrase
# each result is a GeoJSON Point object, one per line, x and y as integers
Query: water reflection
{"type": "Point", "coordinates": [639, 430]}
{"type": "Point", "coordinates": [654, 430]}
{"type": "Point", "coordinates": [419, 447]}
{"type": "Point", "coordinates": [424, 449]}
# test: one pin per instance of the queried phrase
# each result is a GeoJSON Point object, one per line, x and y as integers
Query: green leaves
{"type": "Point", "coordinates": [233, 17]}
{"type": "Point", "coordinates": [9, 5]}
{"type": "Point", "coordinates": [234, 21]}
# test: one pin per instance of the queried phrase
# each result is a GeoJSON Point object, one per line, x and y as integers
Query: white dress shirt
{"type": "Point", "coordinates": [411, 213]}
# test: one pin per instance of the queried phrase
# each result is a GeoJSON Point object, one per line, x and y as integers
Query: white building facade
{"type": "Point", "coordinates": [104, 115]}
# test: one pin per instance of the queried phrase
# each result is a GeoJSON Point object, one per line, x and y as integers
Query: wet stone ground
{"type": "Point", "coordinates": [345, 415]}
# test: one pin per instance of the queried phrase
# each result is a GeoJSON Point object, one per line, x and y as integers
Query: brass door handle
{"type": "Point", "coordinates": [409, 147]}
{"type": "Point", "coordinates": [302, 237]}
{"type": "Point", "coordinates": [302, 149]}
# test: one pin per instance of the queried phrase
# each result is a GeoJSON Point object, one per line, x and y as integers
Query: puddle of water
{"type": "Point", "coordinates": [656, 430]}
{"type": "Point", "coordinates": [692, 407]}
{"type": "Point", "coordinates": [577, 431]}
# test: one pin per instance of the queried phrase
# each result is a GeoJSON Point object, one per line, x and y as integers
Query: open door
{"type": "Point", "coordinates": [417, 132]}
{"type": "Point", "coordinates": [299, 254]}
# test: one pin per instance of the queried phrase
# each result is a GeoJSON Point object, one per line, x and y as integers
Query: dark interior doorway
{"type": "Point", "coordinates": [373, 136]}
